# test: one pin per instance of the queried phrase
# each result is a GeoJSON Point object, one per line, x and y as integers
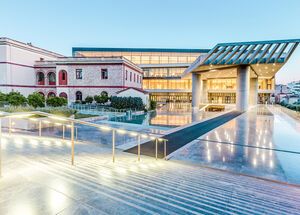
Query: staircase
{"type": "Point", "coordinates": [95, 185]}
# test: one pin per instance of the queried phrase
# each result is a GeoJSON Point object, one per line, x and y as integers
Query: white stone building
{"type": "Point", "coordinates": [17, 59]}
{"type": "Point", "coordinates": [76, 78]}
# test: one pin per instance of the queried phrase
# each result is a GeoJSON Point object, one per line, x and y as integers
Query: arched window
{"type": "Point", "coordinates": [43, 94]}
{"type": "Point", "coordinates": [62, 77]}
{"type": "Point", "coordinates": [64, 95]}
{"type": "Point", "coordinates": [51, 78]}
{"type": "Point", "coordinates": [51, 94]}
{"type": "Point", "coordinates": [78, 96]}
{"type": "Point", "coordinates": [40, 78]}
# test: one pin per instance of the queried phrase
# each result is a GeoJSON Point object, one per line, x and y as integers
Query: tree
{"type": "Point", "coordinates": [153, 105]}
{"type": "Point", "coordinates": [102, 98]}
{"type": "Point", "coordinates": [16, 99]}
{"type": "Point", "coordinates": [3, 98]}
{"type": "Point", "coordinates": [56, 101]}
{"type": "Point", "coordinates": [36, 100]}
{"type": "Point", "coordinates": [89, 99]}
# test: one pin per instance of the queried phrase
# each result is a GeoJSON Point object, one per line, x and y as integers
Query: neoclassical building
{"type": "Point", "coordinates": [77, 78]}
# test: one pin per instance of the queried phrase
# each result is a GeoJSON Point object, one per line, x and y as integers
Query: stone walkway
{"type": "Point", "coordinates": [38, 179]}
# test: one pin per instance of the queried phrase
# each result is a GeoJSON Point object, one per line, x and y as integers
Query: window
{"type": "Point", "coordinates": [130, 78]}
{"type": "Point", "coordinates": [134, 77]}
{"type": "Point", "coordinates": [62, 77]}
{"type": "Point", "coordinates": [78, 96]}
{"type": "Point", "coordinates": [104, 74]}
{"type": "Point", "coordinates": [78, 73]}
{"type": "Point", "coordinates": [126, 75]}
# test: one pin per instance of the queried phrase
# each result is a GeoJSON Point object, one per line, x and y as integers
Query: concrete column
{"type": "Point", "coordinates": [204, 91]}
{"type": "Point", "coordinates": [253, 91]}
{"type": "Point", "coordinates": [196, 86]}
{"type": "Point", "coordinates": [242, 88]}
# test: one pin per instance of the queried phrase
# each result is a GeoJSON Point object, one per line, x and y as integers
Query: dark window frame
{"type": "Point", "coordinates": [104, 74]}
{"type": "Point", "coordinates": [78, 73]}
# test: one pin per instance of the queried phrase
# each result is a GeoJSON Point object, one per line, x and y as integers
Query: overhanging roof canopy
{"type": "Point", "coordinates": [226, 55]}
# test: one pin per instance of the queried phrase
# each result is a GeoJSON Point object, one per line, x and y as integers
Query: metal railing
{"type": "Point", "coordinates": [66, 122]}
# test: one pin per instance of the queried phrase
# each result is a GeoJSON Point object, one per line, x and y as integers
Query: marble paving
{"type": "Point", "coordinates": [37, 178]}
{"type": "Point", "coordinates": [263, 142]}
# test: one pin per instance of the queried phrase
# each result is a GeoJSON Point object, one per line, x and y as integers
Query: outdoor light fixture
{"type": "Point", "coordinates": [121, 131]}
{"type": "Point", "coordinates": [144, 136]}
{"type": "Point", "coordinates": [105, 128]}
{"type": "Point", "coordinates": [33, 119]}
{"type": "Point", "coordinates": [58, 118]}
{"type": "Point", "coordinates": [133, 133]}
{"type": "Point", "coordinates": [21, 116]}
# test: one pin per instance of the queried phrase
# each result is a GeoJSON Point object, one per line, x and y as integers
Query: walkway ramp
{"type": "Point", "coordinates": [181, 137]}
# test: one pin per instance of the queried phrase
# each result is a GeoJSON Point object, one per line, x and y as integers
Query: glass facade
{"type": "Point", "coordinates": [221, 84]}
{"type": "Point", "coordinates": [179, 84]}
{"type": "Point", "coordinates": [145, 57]}
{"type": "Point", "coordinates": [266, 84]}
{"type": "Point", "coordinates": [221, 98]}
{"type": "Point", "coordinates": [171, 97]}
{"type": "Point", "coordinates": [163, 72]}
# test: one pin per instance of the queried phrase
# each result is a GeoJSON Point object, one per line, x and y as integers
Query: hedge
{"type": "Point", "coordinates": [134, 103]}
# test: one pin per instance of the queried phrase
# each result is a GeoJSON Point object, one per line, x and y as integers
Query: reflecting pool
{"type": "Point", "coordinates": [263, 142]}
{"type": "Point", "coordinates": [170, 115]}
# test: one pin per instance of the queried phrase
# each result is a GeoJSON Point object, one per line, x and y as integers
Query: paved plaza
{"type": "Point", "coordinates": [38, 178]}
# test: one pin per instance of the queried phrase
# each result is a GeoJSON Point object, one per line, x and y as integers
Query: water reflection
{"type": "Point", "coordinates": [246, 145]}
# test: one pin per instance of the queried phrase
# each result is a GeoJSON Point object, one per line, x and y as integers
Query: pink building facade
{"type": "Point", "coordinates": [77, 78]}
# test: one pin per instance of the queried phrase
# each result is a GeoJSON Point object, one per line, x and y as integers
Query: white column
{"type": "Point", "coordinates": [242, 88]}
{"type": "Point", "coordinates": [196, 86]}
{"type": "Point", "coordinates": [253, 91]}
{"type": "Point", "coordinates": [204, 91]}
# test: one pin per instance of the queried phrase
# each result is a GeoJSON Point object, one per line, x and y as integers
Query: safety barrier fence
{"type": "Point", "coordinates": [69, 123]}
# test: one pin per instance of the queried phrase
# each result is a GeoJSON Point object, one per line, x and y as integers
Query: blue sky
{"type": "Point", "coordinates": [58, 25]}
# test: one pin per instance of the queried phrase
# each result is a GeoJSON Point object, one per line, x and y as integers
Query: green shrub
{"type": "Point", "coordinates": [102, 98]}
{"type": "Point", "coordinates": [127, 103]}
{"type": "Point", "coordinates": [153, 105]}
{"type": "Point", "coordinates": [89, 99]}
{"type": "Point", "coordinates": [81, 115]}
{"type": "Point", "coordinates": [16, 99]}
{"type": "Point", "coordinates": [13, 109]}
{"type": "Point", "coordinates": [56, 101]}
{"type": "Point", "coordinates": [61, 111]}
{"type": "Point", "coordinates": [3, 97]}
{"type": "Point", "coordinates": [36, 100]}
{"type": "Point", "coordinates": [283, 103]}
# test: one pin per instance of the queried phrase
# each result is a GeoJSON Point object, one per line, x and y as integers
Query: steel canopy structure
{"type": "Point", "coordinates": [257, 54]}
{"type": "Point", "coordinates": [242, 73]}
